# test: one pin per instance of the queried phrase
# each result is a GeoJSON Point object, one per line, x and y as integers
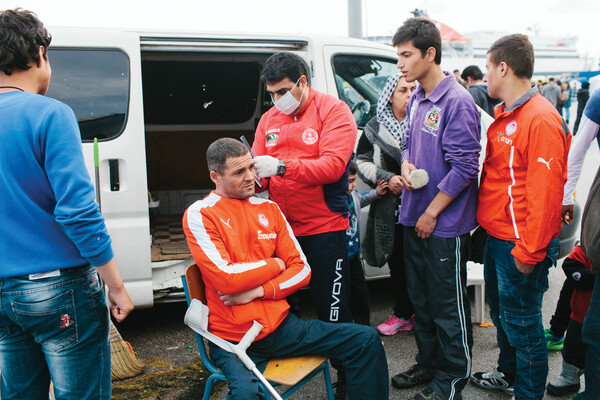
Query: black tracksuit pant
{"type": "Point", "coordinates": [329, 285]}
{"type": "Point", "coordinates": [436, 276]}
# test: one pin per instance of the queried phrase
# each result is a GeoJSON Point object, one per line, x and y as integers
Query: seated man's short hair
{"type": "Point", "coordinates": [222, 149]}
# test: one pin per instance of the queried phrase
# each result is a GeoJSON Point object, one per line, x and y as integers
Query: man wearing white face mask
{"type": "Point", "coordinates": [303, 146]}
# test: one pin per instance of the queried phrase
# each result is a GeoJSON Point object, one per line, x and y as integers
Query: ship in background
{"type": "Point", "coordinates": [554, 56]}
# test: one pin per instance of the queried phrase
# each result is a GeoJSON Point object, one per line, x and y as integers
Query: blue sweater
{"type": "Point", "coordinates": [49, 215]}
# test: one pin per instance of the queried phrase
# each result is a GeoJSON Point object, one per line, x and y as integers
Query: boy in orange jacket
{"type": "Point", "coordinates": [519, 205]}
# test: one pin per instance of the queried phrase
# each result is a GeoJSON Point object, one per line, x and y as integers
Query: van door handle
{"type": "Point", "coordinates": [113, 168]}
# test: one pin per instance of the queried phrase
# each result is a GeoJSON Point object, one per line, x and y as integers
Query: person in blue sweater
{"type": "Point", "coordinates": [54, 321]}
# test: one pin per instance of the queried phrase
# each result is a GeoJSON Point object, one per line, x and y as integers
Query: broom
{"type": "Point", "coordinates": [123, 363]}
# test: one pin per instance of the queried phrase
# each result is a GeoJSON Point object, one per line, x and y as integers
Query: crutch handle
{"type": "Point", "coordinates": [196, 317]}
{"type": "Point", "coordinates": [240, 348]}
{"type": "Point", "coordinates": [250, 335]}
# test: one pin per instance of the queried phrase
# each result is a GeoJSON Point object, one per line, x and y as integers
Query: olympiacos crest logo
{"type": "Point", "coordinates": [310, 136]}
{"type": "Point", "coordinates": [263, 220]}
{"type": "Point", "coordinates": [511, 128]}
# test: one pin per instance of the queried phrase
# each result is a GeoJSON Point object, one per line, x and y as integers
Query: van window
{"type": "Point", "coordinates": [360, 80]}
{"type": "Point", "coordinates": [95, 84]}
{"type": "Point", "coordinates": [190, 92]}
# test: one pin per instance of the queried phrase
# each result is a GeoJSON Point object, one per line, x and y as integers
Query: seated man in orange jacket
{"type": "Point", "coordinates": [250, 261]}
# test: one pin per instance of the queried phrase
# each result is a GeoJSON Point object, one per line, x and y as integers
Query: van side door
{"type": "Point", "coordinates": [98, 74]}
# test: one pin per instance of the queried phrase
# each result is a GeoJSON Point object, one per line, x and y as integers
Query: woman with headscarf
{"type": "Point", "coordinates": [379, 158]}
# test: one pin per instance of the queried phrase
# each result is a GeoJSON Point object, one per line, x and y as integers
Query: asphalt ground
{"type": "Point", "coordinates": [174, 370]}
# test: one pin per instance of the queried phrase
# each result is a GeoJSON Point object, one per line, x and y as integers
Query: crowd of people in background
{"type": "Point", "coordinates": [559, 94]}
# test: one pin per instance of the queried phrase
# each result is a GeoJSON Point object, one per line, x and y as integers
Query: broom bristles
{"type": "Point", "coordinates": [123, 363]}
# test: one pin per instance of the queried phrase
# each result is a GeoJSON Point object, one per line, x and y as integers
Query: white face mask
{"type": "Point", "coordinates": [287, 103]}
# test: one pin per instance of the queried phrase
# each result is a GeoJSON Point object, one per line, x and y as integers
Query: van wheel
{"type": "Point", "coordinates": [478, 239]}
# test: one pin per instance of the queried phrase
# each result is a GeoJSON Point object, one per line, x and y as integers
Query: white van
{"type": "Point", "coordinates": [156, 100]}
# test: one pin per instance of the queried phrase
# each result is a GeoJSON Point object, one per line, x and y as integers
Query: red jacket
{"type": "Point", "coordinates": [234, 243]}
{"type": "Point", "coordinates": [523, 176]}
{"type": "Point", "coordinates": [316, 145]}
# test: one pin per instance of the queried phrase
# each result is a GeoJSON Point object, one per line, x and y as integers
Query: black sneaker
{"type": "Point", "coordinates": [412, 377]}
{"type": "Point", "coordinates": [495, 380]}
{"type": "Point", "coordinates": [562, 390]}
{"type": "Point", "coordinates": [429, 394]}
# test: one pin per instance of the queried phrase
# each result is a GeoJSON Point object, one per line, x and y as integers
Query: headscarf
{"type": "Point", "coordinates": [385, 115]}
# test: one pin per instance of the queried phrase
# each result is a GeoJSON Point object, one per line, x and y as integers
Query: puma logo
{"type": "Point", "coordinates": [226, 223]}
{"type": "Point", "coordinates": [540, 159]}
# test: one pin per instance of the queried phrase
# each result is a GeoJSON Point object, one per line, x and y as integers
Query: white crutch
{"type": "Point", "coordinates": [196, 317]}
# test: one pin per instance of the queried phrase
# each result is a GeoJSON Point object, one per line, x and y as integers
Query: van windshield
{"type": "Point", "coordinates": [360, 80]}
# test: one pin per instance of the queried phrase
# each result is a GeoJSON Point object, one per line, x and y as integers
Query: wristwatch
{"type": "Point", "coordinates": [281, 168]}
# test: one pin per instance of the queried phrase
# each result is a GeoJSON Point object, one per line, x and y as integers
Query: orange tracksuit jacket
{"type": "Point", "coordinates": [316, 145]}
{"type": "Point", "coordinates": [523, 176]}
{"type": "Point", "coordinates": [234, 243]}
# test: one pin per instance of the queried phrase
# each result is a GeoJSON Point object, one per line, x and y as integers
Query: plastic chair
{"type": "Point", "coordinates": [475, 277]}
{"type": "Point", "coordinates": [293, 371]}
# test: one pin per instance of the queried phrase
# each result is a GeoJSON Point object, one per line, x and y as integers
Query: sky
{"type": "Point", "coordinates": [380, 17]}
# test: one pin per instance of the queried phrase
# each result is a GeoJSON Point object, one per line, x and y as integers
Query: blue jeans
{"type": "Point", "coordinates": [357, 346]}
{"type": "Point", "coordinates": [591, 337]}
{"type": "Point", "coordinates": [515, 302]}
{"type": "Point", "coordinates": [55, 329]}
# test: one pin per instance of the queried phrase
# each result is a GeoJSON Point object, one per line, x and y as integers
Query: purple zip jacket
{"type": "Point", "coordinates": [443, 138]}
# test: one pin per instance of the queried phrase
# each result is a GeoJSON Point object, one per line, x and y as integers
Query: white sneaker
{"type": "Point", "coordinates": [495, 380]}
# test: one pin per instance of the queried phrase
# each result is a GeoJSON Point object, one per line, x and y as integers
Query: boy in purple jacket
{"type": "Point", "coordinates": [442, 138]}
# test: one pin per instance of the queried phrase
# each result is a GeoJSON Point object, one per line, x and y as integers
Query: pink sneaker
{"type": "Point", "coordinates": [394, 325]}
